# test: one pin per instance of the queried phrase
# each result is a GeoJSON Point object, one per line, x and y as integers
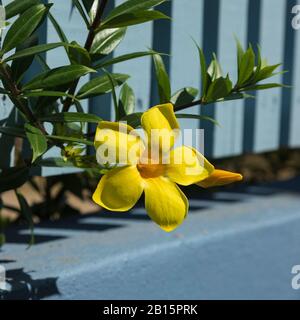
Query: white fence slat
{"type": "Point", "coordinates": [187, 22]}
{"type": "Point", "coordinates": [268, 104]}
{"type": "Point", "coordinates": [75, 29]}
{"type": "Point", "coordinates": [137, 38]}
{"type": "Point", "coordinates": [233, 22]}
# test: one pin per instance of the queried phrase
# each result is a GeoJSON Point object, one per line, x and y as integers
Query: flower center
{"type": "Point", "coordinates": [151, 170]}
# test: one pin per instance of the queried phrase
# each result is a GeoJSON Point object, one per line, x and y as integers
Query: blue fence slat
{"type": "Point", "coordinates": [288, 64]}
{"type": "Point", "coordinates": [138, 38]}
{"type": "Point", "coordinates": [210, 44]}
{"type": "Point", "coordinates": [295, 112]}
{"type": "Point", "coordinates": [185, 65]}
{"type": "Point", "coordinates": [267, 118]}
{"type": "Point", "coordinates": [75, 29]}
{"type": "Point", "coordinates": [233, 22]}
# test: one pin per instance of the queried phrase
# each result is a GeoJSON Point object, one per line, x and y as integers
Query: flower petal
{"type": "Point", "coordinates": [220, 178]}
{"type": "Point", "coordinates": [165, 203]}
{"type": "Point", "coordinates": [119, 189]}
{"type": "Point", "coordinates": [188, 166]}
{"type": "Point", "coordinates": [161, 127]}
{"type": "Point", "coordinates": [117, 142]}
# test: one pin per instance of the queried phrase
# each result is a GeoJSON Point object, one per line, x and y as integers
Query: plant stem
{"type": "Point", "coordinates": [16, 98]}
{"type": "Point", "coordinates": [188, 105]}
{"type": "Point", "coordinates": [88, 44]}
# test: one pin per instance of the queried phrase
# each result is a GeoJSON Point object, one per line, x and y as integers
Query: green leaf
{"type": "Point", "coordinates": [184, 96]}
{"type": "Point", "coordinates": [71, 117]}
{"type": "Point", "coordinates": [219, 88]}
{"type": "Point", "coordinates": [214, 70]}
{"type": "Point", "coordinates": [133, 119]}
{"type": "Point", "coordinates": [100, 85]}
{"type": "Point", "coordinates": [23, 27]}
{"type": "Point", "coordinates": [20, 66]}
{"type": "Point", "coordinates": [196, 116]}
{"type": "Point", "coordinates": [107, 40]}
{"type": "Point", "coordinates": [37, 140]}
{"type": "Point", "coordinates": [122, 58]}
{"type": "Point", "coordinates": [246, 67]}
{"type": "Point", "coordinates": [71, 139]}
{"type": "Point", "coordinates": [264, 86]}
{"type": "Point", "coordinates": [162, 78]}
{"type": "Point", "coordinates": [27, 215]}
{"type": "Point", "coordinates": [114, 96]}
{"type": "Point", "coordinates": [134, 18]}
{"type": "Point", "coordinates": [13, 178]}
{"type": "Point", "coordinates": [58, 29]}
{"type": "Point", "coordinates": [78, 54]}
{"type": "Point", "coordinates": [266, 72]}
{"type": "Point", "coordinates": [81, 11]}
{"type": "Point", "coordinates": [57, 76]}
{"type": "Point", "coordinates": [34, 50]}
{"type": "Point", "coordinates": [88, 4]}
{"type": "Point", "coordinates": [131, 6]}
{"type": "Point", "coordinates": [204, 75]}
{"type": "Point", "coordinates": [18, 6]}
{"type": "Point", "coordinates": [45, 93]}
{"type": "Point", "coordinates": [13, 131]}
{"type": "Point", "coordinates": [126, 100]}
{"type": "Point", "coordinates": [240, 53]}
{"type": "Point", "coordinates": [237, 96]}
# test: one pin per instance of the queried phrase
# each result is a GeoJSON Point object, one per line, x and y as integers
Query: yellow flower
{"type": "Point", "coordinates": [121, 187]}
{"type": "Point", "coordinates": [220, 178]}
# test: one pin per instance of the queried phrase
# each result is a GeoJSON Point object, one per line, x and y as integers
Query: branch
{"type": "Point", "coordinates": [16, 98]}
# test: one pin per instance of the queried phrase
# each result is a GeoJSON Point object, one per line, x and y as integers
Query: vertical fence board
{"type": "Point", "coordinates": [75, 29]}
{"type": "Point", "coordinates": [267, 118]}
{"type": "Point", "coordinates": [233, 22]}
{"type": "Point", "coordinates": [295, 112]}
{"type": "Point", "coordinates": [185, 64]}
{"type": "Point", "coordinates": [210, 45]}
{"type": "Point", "coordinates": [137, 38]}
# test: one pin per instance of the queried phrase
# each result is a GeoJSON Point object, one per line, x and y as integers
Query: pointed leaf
{"type": "Point", "coordinates": [100, 85]}
{"type": "Point", "coordinates": [126, 101]}
{"type": "Point", "coordinates": [57, 76]}
{"type": "Point", "coordinates": [34, 50]}
{"type": "Point", "coordinates": [184, 96]}
{"type": "Point", "coordinates": [107, 40]}
{"type": "Point", "coordinates": [122, 58]}
{"type": "Point", "coordinates": [18, 6]}
{"type": "Point", "coordinates": [247, 65]}
{"type": "Point", "coordinates": [196, 116]}
{"type": "Point", "coordinates": [37, 140]}
{"type": "Point", "coordinates": [162, 78]}
{"type": "Point", "coordinates": [23, 27]}
{"type": "Point", "coordinates": [132, 6]}
{"type": "Point", "coordinates": [134, 18]}
{"type": "Point", "coordinates": [71, 117]}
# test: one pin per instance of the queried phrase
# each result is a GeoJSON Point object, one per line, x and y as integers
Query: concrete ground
{"type": "Point", "coordinates": [236, 244]}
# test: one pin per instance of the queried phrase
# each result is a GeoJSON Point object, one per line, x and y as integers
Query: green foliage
{"type": "Point", "coordinates": [53, 94]}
